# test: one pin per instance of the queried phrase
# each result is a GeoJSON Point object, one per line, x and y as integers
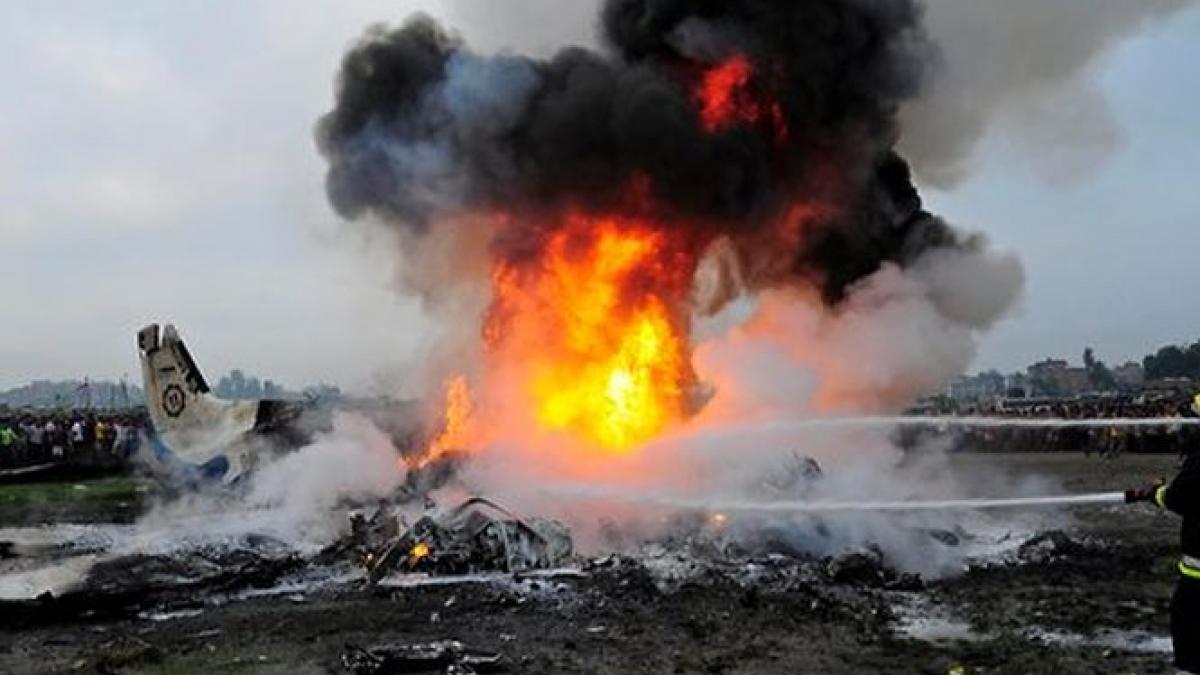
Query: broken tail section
{"type": "Point", "coordinates": [195, 433]}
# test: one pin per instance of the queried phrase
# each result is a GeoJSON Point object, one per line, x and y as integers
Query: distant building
{"type": "Point", "coordinates": [1056, 377]}
{"type": "Point", "coordinates": [1131, 375]}
{"type": "Point", "coordinates": [1074, 381]}
{"type": "Point", "coordinates": [239, 385]}
{"type": "Point", "coordinates": [323, 392]}
{"type": "Point", "coordinates": [1016, 385]}
{"type": "Point", "coordinates": [1169, 386]}
{"type": "Point", "coordinates": [85, 393]}
{"type": "Point", "coordinates": [973, 388]}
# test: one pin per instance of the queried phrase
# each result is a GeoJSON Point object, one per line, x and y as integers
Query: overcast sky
{"type": "Point", "coordinates": [157, 164]}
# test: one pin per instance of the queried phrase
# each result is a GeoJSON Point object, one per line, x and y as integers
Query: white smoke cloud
{"type": "Point", "coordinates": [900, 334]}
{"type": "Point", "coordinates": [355, 463]}
{"type": "Point", "coordinates": [298, 498]}
{"type": "Point", "coordinates": [1026, 69]}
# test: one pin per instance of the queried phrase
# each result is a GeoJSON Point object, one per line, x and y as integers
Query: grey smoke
{"type": "Point", "coordinates": [1025, 68]}
{"type": "Point", "coordinates": [539, 27]}
{"type": "Point", "coordinates": [425, 128]}
{"type": "Point", "coordinates": [1022, 68]}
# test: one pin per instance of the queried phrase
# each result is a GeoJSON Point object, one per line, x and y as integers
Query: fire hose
{"type": "Point", "coordinates": [994, 422]}
{"type": "Point", "coordinates": [822, 506]}
{"type": "Point", "coordinates": [930, 505]}
{"type": "Point", "coordinates": [833, 506]}
{"type": "Point", "coordinates": [838, 506]}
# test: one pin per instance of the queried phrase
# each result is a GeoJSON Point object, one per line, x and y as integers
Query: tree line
{"type": "Point", "coordinates": [1174, 361]}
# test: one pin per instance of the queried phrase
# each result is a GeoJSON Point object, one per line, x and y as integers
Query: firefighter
{"type": "Point", "coordinates": [1182, 496]}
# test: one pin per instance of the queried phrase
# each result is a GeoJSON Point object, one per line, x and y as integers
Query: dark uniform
{"type": "Point", "coordinates": [1182, 496]}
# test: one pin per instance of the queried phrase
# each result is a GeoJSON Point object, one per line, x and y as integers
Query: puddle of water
{"type": "Point", "coordinates": [1139, 642]}
{"type": "Point", "coordinates": [65, 537]}
{"type": "Point", "coordinates": [919, 619]}
{"type": "Point", "coordinates": [297, 588]}
{"type": "Point", "coordinates": [55, 577]}
{"type": "Point", "coordinates": [420, 580]}
{"type": "Point", "coordinates": [937, 629]}
{"type": "Point", "coordinates": [170, 616]}
{"type": "Point", "coordinates": [55, 557]}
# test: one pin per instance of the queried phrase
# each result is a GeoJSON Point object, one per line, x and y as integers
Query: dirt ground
{"type": "Point", "coordinates": [1068, 606]}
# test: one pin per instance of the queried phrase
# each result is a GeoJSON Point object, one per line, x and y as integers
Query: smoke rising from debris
{"type": "Point", "coordinates": [426, 130]}
{"type": "Point", "coordinates": [756, 141]}
{"type": "Point", "coordinates": [1024, 68]}
{"type": "Point", "coordinates": [293, 498]}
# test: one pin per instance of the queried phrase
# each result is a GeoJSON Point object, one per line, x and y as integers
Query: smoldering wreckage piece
{"type": "Point", "coordinates": [476, 535]}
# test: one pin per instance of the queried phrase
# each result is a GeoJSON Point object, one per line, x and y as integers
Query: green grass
{"type": "Point", "coordinates": [260, 660]}
{"type": "Point", "coordinates": [111, 490]}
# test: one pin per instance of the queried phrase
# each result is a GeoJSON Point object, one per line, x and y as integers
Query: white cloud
{"type": "Point", "coordinates": [131, 197]}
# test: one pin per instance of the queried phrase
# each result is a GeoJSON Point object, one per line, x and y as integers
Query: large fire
{"type": "Point", "coordinates": [590, 322]}
{"type": "Point", "coordinates": [589, 329]}
{"type": "Point", "coordinates": [594, 322]}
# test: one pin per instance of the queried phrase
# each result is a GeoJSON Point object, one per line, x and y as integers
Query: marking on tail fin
{"type": "Point", "coordinates": [195, 381]}
{"type": "Point", "coordinates": [173, 400]}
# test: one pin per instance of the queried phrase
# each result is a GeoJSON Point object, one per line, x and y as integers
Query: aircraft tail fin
{"type": "Point", "coordinates": [195, 424]}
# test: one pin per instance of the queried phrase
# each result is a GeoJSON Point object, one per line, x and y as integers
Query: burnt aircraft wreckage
{"type": "Point", "coordinates": [408, 563]}
{"type": "Point", "coordinates": [198, 437]}
{"type": "Point", "coordinates": [477, 535]}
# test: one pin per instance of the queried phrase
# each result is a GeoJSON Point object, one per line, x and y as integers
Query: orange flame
{"type": "Point", "coordinates": [417, 553]}
{"type": "Point", "coordinates": [727, 97]}
{"type": "Point", "coordinates": [722, 95]}
{"type": "Point", "coordinates": [588, 323]}
{"type": "Point", "coordinates": [588, 328]}
{"type": "Point", "coordinates": [602, 353]}
{"type": "Point", "coordinates": [457, 422]}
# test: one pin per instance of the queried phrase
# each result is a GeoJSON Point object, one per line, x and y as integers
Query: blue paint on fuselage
{"type": "Point", "coordinates": [211, 471]}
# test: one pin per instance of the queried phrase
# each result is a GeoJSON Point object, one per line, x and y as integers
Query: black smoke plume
{"type": "Point", "coordinates": [424, 129]}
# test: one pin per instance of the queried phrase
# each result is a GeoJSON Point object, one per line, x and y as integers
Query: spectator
{"type": "Point", "coordinates": [8, 444]}
{"type": "Point", "coordinates": [118, 435]}
{"type": "Point", "coordinates": [76, 436]}
{"type": "Point", "coordinates": [54, 438]}
{"type": "Point", "coordinates": [103, 436]}
{"type": "Point", "coordinates": [37, 440]}
{"type": "Point", "coordinates": [1108, 440]}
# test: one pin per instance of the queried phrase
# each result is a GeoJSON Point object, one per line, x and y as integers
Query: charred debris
{"type": "Point", "coordinates": [476, 542]}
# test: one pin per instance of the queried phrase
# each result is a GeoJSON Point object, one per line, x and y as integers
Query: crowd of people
{"type": "Point", "coordinates": [43, 437]}
{"type": "Point", "coordinates": [30, 438]}
{"type": "Point", "coordinates": [1173, 435]}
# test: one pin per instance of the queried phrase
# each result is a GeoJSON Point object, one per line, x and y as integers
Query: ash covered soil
{"type": "Point", "coordinates": [1089, 595]}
